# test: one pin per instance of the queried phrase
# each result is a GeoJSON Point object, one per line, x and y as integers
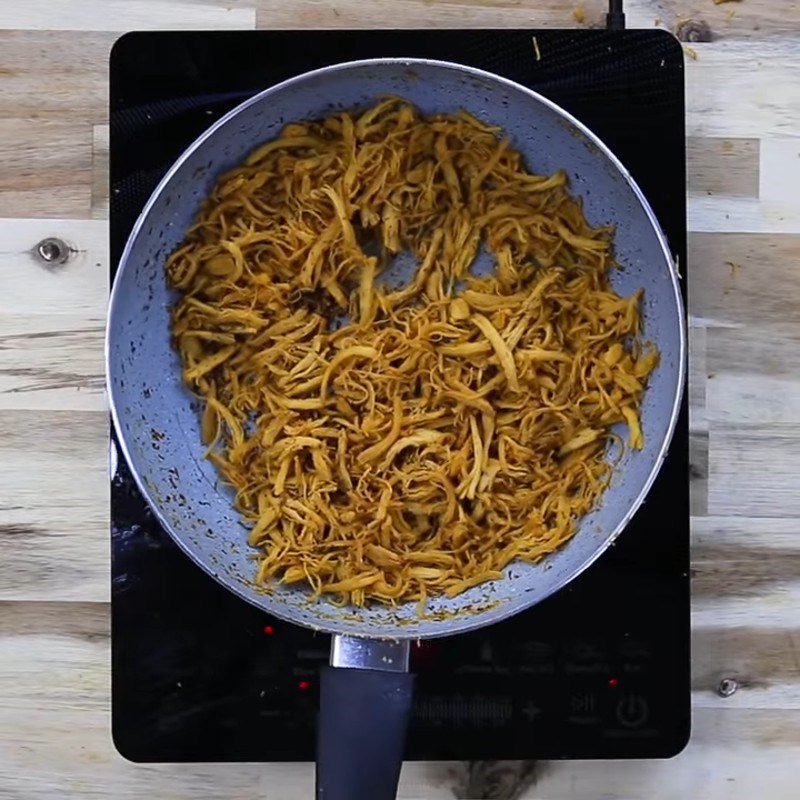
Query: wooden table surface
{"type": "Point", "coordinates": [743, 97]}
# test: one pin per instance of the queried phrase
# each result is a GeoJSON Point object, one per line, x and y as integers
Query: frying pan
{"type": "Point", "coordinates": [365, 695]}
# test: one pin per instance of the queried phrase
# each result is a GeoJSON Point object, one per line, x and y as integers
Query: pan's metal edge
{"type": "Point", "coordinates": [458, 624]}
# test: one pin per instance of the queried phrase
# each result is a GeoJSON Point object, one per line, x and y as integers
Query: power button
{"type": "Point", "coordinates": [632, 711]}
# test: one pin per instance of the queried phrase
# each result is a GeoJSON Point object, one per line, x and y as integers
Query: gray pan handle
{"type": "Point", "coordinates": [365, 705]}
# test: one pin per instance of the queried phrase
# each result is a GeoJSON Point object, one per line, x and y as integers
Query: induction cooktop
{"type": "Point", "coordinates": [599, 670]}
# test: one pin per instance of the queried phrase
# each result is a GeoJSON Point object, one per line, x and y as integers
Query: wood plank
{"type": "Point", "coordinates": [52, 321]}
{"type": "Point", "coordinates": [731, 87]}
{"type": "Point", "coordinates": [780, 171]}
{"type": "Point", "coordinates": [754, 399]}
{"type": "Point", "coordinates": [733, 754]}
{"type": "Point", "coordinates": [755, 375]}
{"type": "Point", "coordinates": [54, 525]}
{"type": "Point", "coordinates": [100, 170]}
{"type": "Point", "coordinates": [764, 286]}
{"type": "Point", "coordinates": [775, 206]}
{"type": "Point", "coordinates": [746, 580]}
{"type": "Point", "coordinates": [753, 470]}
{"type": "Point", "coordinates": [698, 424]}
{"type": "Point", "coordinates": [745, 575]}
{"type": "Point", "coordinates": [764, 661]}
{"type": "Point", "coordinates": [54, 74]}
{"type": "Point", "coordinates": [742, 214]}
{"type": "Point", "coordinates": [753, 19]}
{"type": "Point", "coordinates": [423, 13]}
{"type": "Point", "coordinates": [78, 288]}
{"type": "Point", "coordinates": [775, 607]}
{"type": "Point", "coordinates": [698, 473]}
{"type": "Point", "coordinates": [759, 351]}
{"type": "Point", "coordinates": [723, 166]}
{"type": "Point", "coordinates": [124, 15]}
{"type": "Point", "coordinates": [45, 167]}
{"type": "Point", "coordinates": [697, 379]}
{"type": "Point", "coordinates": [744, 89]}
{"type": "Point", "coordinates": [51, 363]}
{"type": "Point", "coordinates": [734, 557]}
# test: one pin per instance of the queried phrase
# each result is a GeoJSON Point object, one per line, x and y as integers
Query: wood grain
{"type": "Point", "coordinates": [52, 317]}
{"type": "Point", "coordinates": [47, 366]}
{"type": "Point", "coordinates": [424, 13]}
{"type": "Point", "coordinates": [100, 176]}
{"type": "Point", "coordinates": [54, 75]}
{"type": "Point", "coordinates": [753, 375]}
{"type": "Point", "coordinates": [125, 15]}
{"type": "Point", "coordinates": [697, 378]}
{"type": "Point", "coordinates": [742, 214]}
{"type": "Point", "coordinates": [723, 562]}
{"type": "Point", "coordinates": [765, 662]}
{"type": "Point", "coordinates": [751, 19]}
{"type": "Point", "coordinates": [54, 524]}
{"type": "Point", "coordinates": [78, 288]}
{"type": "Point", "coordinates": [763, 284]}
{"type": "Point", "coordinates": [698, 423]}
{"type": "Point", "coordinates": [45, 168]}
{"type": "Point", "coordinates": [745, 574]}
{"type": "Point", "coordinates": [698, 472]}
{"type": "Point", "coordinates": [743, 89]}
{"type": "Point", "coordinates": [722, 166]}
{"type": "Point", "coordinates": [779, 170]}
{"type": "Point", "coordinates": [776, 209]}
{"type": "Point", "coordinates": [753, 470]}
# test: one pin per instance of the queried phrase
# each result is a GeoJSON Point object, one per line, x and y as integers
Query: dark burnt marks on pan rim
{"type": "Point", "coordinates": [173, 476]}
{"type": "Point", "coordinates": [581, 136]}
{"type": "Point", "coordinates": [379, 617]}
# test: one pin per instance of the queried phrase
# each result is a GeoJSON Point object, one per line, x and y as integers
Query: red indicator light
{"type": "Point", "coordinates": [303, 685]}
{"type": "Point", "coordinates": [269, 630]}
{"type": "Point", "coordinates": [613, 682]}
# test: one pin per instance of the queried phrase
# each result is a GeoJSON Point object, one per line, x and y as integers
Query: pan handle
{"type": "Point", "coordinates": [365, 704]}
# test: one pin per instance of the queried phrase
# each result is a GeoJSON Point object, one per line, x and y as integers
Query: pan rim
{"type": "Point", "coordinates": [458, 623]}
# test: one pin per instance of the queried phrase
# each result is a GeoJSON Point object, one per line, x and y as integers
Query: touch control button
{"type": "Point", "coordinates": [632, 711]}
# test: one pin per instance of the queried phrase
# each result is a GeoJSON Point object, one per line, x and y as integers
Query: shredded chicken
{"type": "Point", "coordinates": [391, 444]}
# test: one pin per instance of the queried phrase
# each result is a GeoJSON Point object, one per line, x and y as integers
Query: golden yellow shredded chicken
{"type": "Point", "coordinates": [394, 443]}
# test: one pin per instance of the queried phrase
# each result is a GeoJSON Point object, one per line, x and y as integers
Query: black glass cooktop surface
{"type": "Point", "coordinates": [600, 670]}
